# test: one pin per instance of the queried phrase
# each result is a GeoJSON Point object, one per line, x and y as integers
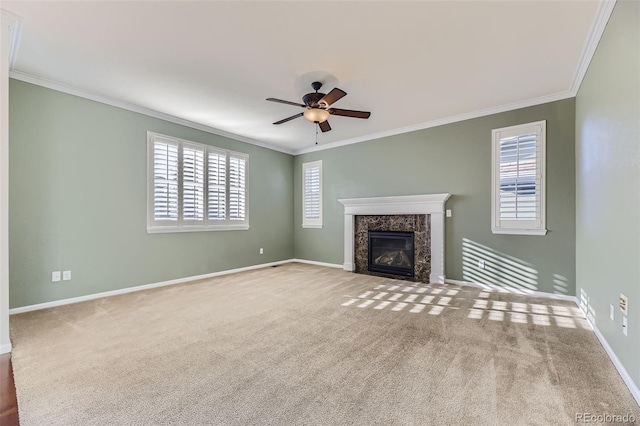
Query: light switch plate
{"type": "Point", "coordinates": [66, 275]}
{"type": "Point", "coordinates": [55, 276]}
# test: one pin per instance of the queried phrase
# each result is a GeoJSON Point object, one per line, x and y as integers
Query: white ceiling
{"type": "Point", "coordinates": [412, 64]}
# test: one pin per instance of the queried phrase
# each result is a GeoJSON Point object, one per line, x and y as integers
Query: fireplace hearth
{"type": "Point", "coordinates": [391, 252]}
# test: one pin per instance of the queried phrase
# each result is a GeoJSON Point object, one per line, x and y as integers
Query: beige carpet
{"type": "Point", "coordinates": [300, 344]}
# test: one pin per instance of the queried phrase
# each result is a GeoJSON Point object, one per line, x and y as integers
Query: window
{"type": "Point", "coordinates": [312, 195]}
{"type": "Point", "coordinates": [195, 187]}
{"type": "Point", "coordinates": [518, 180]}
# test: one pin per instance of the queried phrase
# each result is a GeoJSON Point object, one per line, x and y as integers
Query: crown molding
{"type": "Point", "coordinates": [605, 8]}
{"type": "Point", "coordinates": [28, 78]}
{"type": "Point", "coordinates": [8, 18]}
{"type": "Point", "coordinates": [14, 22]}
{"type": "Point", "coordinates": [442, 121]}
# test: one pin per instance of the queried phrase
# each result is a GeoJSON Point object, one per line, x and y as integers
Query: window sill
{"type": "Point", "coordinates": [516, 231]}
{"type": "Point", "coordinates": [170, 229]}
{"type": "Point", "coordinates": [304, 225]}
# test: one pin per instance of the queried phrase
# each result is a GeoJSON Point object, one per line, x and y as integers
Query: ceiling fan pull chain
{"type": "Point", "coordinates": [317, 125]}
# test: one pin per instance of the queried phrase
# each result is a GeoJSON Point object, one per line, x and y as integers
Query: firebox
{"type": "Point", "coordinates": [391, 252]}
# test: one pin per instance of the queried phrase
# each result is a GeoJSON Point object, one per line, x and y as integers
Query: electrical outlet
{"type": "Point", "coordinates": [481, 264]}
{"type": "Point", "coordinates": [624, 304]}
{"type": "Point", "coordinates": [448, 212]}
{"type": "Point", "coordinates": [66, 275]}
{"type": "Point", "coordinates": [612, 312]}
{"type": "Point", "coordinates": [55, 276]}
{"type": "Point", "coordinates": [625, 325]}
{"type": "Point", "coordinates": [261, 250]}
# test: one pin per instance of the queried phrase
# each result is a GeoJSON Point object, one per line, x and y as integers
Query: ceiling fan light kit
{"type": "Point", "coordinates": [317, 107]}
{"type": "Point", "coordinates": [316, 115]}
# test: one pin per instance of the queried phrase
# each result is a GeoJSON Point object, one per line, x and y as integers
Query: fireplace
{"type": "Point", "coordinates": [391, 252]}
{"type": "Point", "coordinates": [394, 246]}
{"type": "Point", "coordinates": [377, 213]}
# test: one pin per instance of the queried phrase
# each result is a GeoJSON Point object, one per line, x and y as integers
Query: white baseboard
{"type": "Point", "coordinates": [79, 299]}
{"type": "Point", "coordinates": [313, 262]}
{"type": "Point", "coordinates": [514, 291]}
{"type": "Point", "coordinates": [635, 391]}
{"type": "Point", "coordinates": [140, 288]}
{"type": "Point", "coordinates": [5, 349]}
{"type": "Point", "coordinates": [436, 278]}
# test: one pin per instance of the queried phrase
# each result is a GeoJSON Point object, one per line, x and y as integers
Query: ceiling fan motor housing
{"type": "Point", "coordinates": [311, 99]}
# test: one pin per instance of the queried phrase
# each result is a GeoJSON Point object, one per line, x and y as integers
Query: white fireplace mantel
{"type": "Point", "coordinates": [431, 204]}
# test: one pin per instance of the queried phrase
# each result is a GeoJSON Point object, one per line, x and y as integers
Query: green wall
{"type": "Point", "coordinates": [608, 183]}
{"type": "Point", "coordinates": [456, 158]}
{"type": "Point", "coordinates": [78, 200]}
{"type": "Point", "coordinates": [78, 191]}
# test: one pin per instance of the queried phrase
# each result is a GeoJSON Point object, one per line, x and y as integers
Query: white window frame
{"type": "Point", "coordinates": [311, 222]}
{"type": "Point", "coordinates": [180, 225]}
{"type": "Point", "coordinates": [519, 227]}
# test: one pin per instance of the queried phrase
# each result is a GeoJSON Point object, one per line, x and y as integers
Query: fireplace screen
{"type": "Point", "coordinates": [391, 252]}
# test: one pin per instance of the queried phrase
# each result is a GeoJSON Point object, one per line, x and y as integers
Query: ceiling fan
{"type": "Point", "coordinates": [317, 107]}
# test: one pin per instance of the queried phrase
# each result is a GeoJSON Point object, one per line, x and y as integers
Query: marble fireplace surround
{"type": "Point", "coordinates": [431, 204]}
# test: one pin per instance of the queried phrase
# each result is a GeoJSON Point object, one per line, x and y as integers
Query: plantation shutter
{"type": "Point", "coordinates": [217, 185]}
{"type": "Point", "coordinates": [312, 193]}
{"type": "Point", "coordinates": [165, 180]}
{"type": "Point", "coordinates": [237, 187]}
{"type": "Point", "coordinates": [192, 183]}
{"type": "Point", "coordinates": [519, 180]}
{"type": "Point", "coordinates": [195, 187]}
{"type": "Point", "coordinates": [518, 177]}
{"type": "Point", "coordinates": [312, 200]}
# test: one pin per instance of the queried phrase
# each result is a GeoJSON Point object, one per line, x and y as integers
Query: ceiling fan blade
{"type": "Point", "coordinates": [349, 113]}
{"type": "Point", "coordinates": [334, 95]}
{"type": "Point", "coordinates": [324, 126]}
{"type": "Point", "coordinates": [286, 102]}
{"type": "Point", "coordinates": [284, 120]}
